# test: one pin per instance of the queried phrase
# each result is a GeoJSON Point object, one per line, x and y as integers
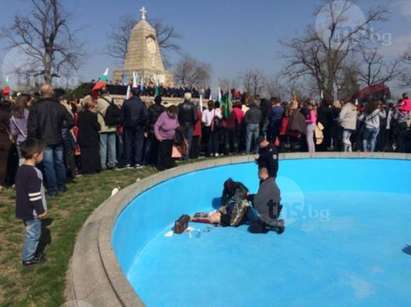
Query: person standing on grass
{"type": "Point", "coordinates": [109, 116]}
{"type": "Point", "coordinates": [187, 118]}
{"type": "Point", "coordinates": [151, 144]}
{"type": "Point", "coordinates": [18, 122]}
{"type": "Point", "coordinates": [165, 132]}
{"type": "Point", "coordinates": [134, 119]}
{"type": "Point", "coordinates": [31, 206]}
{"type": "Point", "coordinates": [46, 121]}
{"type": "Point", "coordinates": [88, 138]}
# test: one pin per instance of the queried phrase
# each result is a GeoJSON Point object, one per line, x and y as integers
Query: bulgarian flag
{"type": "Point", "coordinates": [6, 90]}
{"type": "Point", "coordinates": [101, 84]}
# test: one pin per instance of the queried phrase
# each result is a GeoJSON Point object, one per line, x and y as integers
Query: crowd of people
{"type": "Point", "coordinates": [92, 134]}
{"type": "Point", "coordinates": [59, 139]}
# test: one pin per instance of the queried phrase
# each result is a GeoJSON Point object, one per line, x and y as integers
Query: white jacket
{"type": "Point", "coordinates": [348, 116]}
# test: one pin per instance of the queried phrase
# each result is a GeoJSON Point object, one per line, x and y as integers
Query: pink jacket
{"type": "Point", "coordinates": [312, 118]}
{"type": "Point", "coordinates": [405, 105]}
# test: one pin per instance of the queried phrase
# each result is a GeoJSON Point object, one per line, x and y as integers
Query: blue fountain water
{"type": "Point", "coordinates": [346, 240]}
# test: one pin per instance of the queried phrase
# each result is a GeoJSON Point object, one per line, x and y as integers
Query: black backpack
{"type": "Point", "coordinates": [113, 114]}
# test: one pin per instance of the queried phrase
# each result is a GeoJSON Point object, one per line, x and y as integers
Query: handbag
{"type": "Point", "coordinates": [181, 224]}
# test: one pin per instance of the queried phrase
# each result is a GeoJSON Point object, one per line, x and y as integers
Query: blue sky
{"type": "Point", "coordinates": [232, 36]}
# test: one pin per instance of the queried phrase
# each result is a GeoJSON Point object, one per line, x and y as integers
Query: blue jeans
{"type": "Point", "coordinates": [370, 139]}
{"type": "Point", "coordinates": [32, 238]}
{"type": "Point", "coordinates": [253, 131]}
{"type": "Point", "coordinates": [108, 150]}
{"type": "Point", "coordinates": [54, 169]}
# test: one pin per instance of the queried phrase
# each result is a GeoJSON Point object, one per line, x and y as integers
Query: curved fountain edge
{"type": "Point", "coordinates": [94, 276]}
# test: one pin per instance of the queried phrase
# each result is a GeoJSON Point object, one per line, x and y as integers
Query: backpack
{"type": "Point", "coordinates": [113, 114]}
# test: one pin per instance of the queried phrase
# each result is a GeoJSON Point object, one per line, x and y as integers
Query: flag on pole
{"type": "Point", "coordinates": [157, 90]}
{"type": "Point", "coordinates": [128, 92]}
{"type": "Point", "coordinates": [219, 97]}
{"type": "Point", "coordinates": [6, 90]}
{"type": "Point", "coordinates": [141, 84]}
{"type": "Point", "coordinates": [226, 105]}
{"type": "Point", "coordinates": [135, 84]}
{"type": "Point", "coordinates": [100, 84]}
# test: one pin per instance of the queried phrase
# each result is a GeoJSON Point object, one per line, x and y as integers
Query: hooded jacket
{"type": "Point", "coordinates": [266, 201]}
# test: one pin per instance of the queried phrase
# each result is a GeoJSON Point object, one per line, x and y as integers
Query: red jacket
{"type": "Point", "coordinates": [405, 105]}
{"type": "Point", "coordinates": [197, 124]}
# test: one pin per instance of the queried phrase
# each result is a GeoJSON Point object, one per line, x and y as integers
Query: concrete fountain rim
{"type": "Point", "coordinates": [95, 277]}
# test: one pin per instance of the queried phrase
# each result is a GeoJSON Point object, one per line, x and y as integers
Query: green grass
{"type": "Point", "coordinates": [44, 284]}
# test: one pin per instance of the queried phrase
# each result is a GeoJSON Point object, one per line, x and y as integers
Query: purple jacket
{"type": "Point", "coordinates": [165, 127]}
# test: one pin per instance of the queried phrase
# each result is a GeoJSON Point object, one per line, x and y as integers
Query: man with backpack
{"type": "Point", "coordinates": [109, 116]}
{"type": "Point", "coordinates": [134, 120]}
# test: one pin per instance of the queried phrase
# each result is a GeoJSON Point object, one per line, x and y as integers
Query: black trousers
{"type": "Point", "coordinates": [165, 161]}
{"type": "Point", "coordinates": [134, 141]}
{"type": "Point", "coordinates": [195, 147]}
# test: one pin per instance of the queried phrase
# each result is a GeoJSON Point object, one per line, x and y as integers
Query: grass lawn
{"type": "Point", "coordinates": [43, 285]}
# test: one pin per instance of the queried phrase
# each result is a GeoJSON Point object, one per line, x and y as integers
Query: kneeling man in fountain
{"type": "Point", "coordinates": [261, 211]}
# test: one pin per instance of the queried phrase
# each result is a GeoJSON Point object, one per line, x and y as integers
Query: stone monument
{"type": "Point", "coordinates": [144, 56]}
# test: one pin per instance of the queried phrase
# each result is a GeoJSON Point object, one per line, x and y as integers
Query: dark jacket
{"type": "Point", "coordinates": [266, 201]}
{"type": "Point", "coordinates": [276, 114]}
{"type": "Point", "coordinates": [30, 198]}
{"type": "Point", "coordinates": [134, 113]}
{"type": "Point", "coordinates": [46, 121]}
{"type": "Point", "coordinates": [266, 107]}
{"type": "Point", "coordinates": [187, 113]}
{"type": "Point", "coordinates": [268, 157]}
{"type": "Point", "coordinates": [154, 112]}
{"type": "Point", "coordinates": [88, 129]}
{"type": "Point", "coordinates": [253, 116]}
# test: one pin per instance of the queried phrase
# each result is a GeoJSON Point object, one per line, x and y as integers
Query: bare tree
{"type": "Point", "coordinates": [226, 84]}
{"type": "Point", "coordinates": [376, 69]}
{"type": "Point", "coordinates": [405, 76]}
{"type": "Point", "coordinates": [253, 82]}
{"type": "Point", "coordinates": [348, 83]}
{"type": "Point", "coordinates": [192, 73]}
{"type": "Point", "coordinates": [46, 38]}
{"type": "Point", "coordinates": [118, 39]}
{"type": "Point", "coordinates": [320, 55]}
